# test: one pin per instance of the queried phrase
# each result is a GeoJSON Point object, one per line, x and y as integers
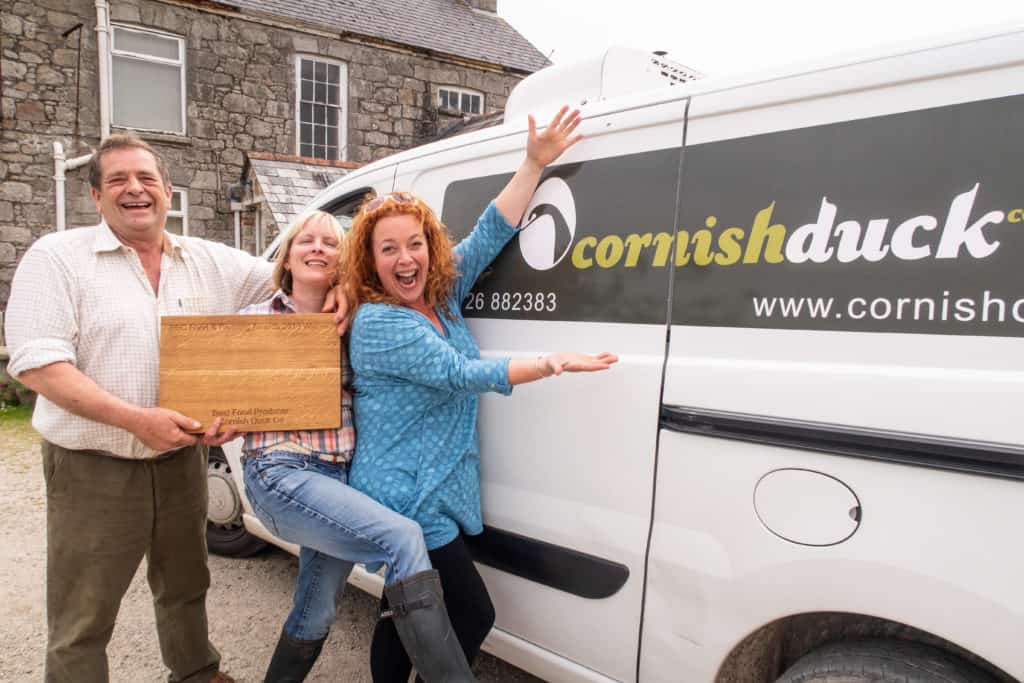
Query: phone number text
{"type": "Point", "coordinates": [511, 301]}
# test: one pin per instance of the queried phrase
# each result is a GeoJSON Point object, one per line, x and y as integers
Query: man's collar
{"type": "Point", "coordinates": [106, 240]}
{"type": "Point", "coordinates": [172, 243]}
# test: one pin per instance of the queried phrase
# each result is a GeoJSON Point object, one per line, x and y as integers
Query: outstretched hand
{"type": "Point", "coordinates": [557, 363]}
{"type": "Point", "coordinates": [545, 146]}
{"type": "Point", "coordinates": [542, 147]}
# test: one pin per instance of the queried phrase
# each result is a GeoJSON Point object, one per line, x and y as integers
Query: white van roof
{"type": "Point", "coordinates": [616, 72]}
{"type": "Point", "coordinates": [635, 77]}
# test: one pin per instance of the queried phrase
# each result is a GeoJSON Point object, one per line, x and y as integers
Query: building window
{"type": "Point", "coordinates": [460, 100]}
{"type": "Point", "coordinates": [147, 75]}
{"type": "Point", "coordinates": [321, 126]}
{"type": "Point", "coordinates": [177, 214]}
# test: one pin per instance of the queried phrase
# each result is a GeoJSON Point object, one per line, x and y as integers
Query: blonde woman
{"type": "Point", "coordinates": [297, 483]}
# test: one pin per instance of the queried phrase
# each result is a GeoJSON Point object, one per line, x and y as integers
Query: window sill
{"type": "Point", "coordinates": [448, 111]}
{"type": "Point", "coordinates": [160, 136]}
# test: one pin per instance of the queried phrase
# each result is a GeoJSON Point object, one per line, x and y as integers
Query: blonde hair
{"type": "Point", "coordinates": [364, 285]}
{"type": "Point", "coordinates": [283, 276]}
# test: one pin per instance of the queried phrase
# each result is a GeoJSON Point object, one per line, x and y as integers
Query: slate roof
{"type": "Point", "coordinates": [288, 183]}
{"type": "Point", "coordinates": [446, 26]}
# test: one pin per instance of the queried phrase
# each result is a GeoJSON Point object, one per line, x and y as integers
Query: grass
{"type": "Point", "coordinates": [15, 415]}
{"type": "Point", "coordinates": [16, 433]}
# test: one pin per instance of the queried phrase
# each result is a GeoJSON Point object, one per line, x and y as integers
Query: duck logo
{"type": "Point", "coordinates": [549, 225]}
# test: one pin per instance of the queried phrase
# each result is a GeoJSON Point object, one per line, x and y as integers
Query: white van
{"type": "Point", "coordinates": [809, 462]}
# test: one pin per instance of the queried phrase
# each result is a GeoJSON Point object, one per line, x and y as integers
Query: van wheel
{"type": "Point", "coordinates": [225, 533]}
{"type": "Point", "coordinates": [881, 661]}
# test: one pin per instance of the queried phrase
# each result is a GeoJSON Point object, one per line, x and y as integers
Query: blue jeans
{"type": "Point", "coordinates": [307, 501]}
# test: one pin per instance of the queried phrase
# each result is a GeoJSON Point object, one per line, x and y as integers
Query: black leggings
{"type": "Point", "coordinates": [469, 608]}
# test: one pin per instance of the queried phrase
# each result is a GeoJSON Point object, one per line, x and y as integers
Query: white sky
{"type": "Point", "coordinates": [721, 36]}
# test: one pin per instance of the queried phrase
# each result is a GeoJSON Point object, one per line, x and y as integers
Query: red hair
{"type": "Point", "coordinates": [360, 271]}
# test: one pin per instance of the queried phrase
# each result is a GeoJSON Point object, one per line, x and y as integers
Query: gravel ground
{"type": "Point", "coordinates": [247, 602]}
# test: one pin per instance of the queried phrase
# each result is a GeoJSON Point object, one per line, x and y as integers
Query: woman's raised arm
{"type": "Point", "coordinates": [542, 148]}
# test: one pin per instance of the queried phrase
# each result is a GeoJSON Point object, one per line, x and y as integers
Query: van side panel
{"type": "Point", "coordinates": [933, 551]}
{"type": "Point", "coordinates": [900, 223]}
{"type": "Point", "coordinates": [567, 463]}
{"type": "Point", "coordinates": [853, 243]}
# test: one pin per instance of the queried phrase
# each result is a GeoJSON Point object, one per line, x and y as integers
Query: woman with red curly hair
{"type": "Point", "coordinates": [418, 373]}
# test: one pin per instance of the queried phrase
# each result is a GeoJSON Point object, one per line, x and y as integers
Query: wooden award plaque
{"type": "Point", "coordinates": [255, 372]}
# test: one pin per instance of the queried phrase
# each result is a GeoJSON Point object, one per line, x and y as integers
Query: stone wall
{"type": "Point", "coordinates": [240, 77]}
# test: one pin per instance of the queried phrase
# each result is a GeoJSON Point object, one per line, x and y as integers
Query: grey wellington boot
{"type": "Point", "coordinates": [292, 659]}
{"type": "Point", "coordinates": [417, 608]}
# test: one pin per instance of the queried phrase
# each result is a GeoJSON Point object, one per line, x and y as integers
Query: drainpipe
{"type": "Point", "coordinates": [258, 224]}
{"type": "Point", "coordinates": [103, 47]}
{"type": "Point", "coordinates": [236, 197]}
{"type": "Point", "coordinates": [61, 164]}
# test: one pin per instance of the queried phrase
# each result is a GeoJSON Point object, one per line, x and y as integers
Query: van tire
{"type": "Point", "coordinates": [881, 661]}
{"type": "Point", "coordinates": [226, 535]}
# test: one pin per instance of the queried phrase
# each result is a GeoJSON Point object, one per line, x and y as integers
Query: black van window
{"type": "Point", "coordinates": [345, 208]}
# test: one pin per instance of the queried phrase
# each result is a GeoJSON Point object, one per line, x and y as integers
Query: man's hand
{"type": "Point", "coordinates": [162, 429]}
{"type": "Point", "coordinates": [337, 303]}
{"type": "Point", "coordinates": [157, 428]}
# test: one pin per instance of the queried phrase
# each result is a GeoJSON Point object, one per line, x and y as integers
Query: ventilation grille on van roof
{"type": "Point", "coordinates": [617, 72]}
{"type": "Point", "coordinates": [674, 73]}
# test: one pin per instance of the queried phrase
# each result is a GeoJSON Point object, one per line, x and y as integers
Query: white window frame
{"type": "Point", "coordinates": [342, 103]}
{"type": "Point", "coordinates": [460, 91]}
{"type": "Point", "coordinates": [180, 63]}
{"type": "Point", "coordinates": [182, 192]}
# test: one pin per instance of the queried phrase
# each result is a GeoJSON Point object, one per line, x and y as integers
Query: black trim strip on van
{"type": "Point", "coordinates": [565, 569]}
{"type": "Point", "coordinates": [1000, 460]}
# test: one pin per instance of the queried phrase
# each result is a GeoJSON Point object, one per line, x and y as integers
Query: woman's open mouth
{"type": "Point", "coordinates": [407, 280]}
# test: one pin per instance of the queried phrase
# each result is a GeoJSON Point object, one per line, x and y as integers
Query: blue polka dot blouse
{"type": "Point", "coordinates": [416, 400]}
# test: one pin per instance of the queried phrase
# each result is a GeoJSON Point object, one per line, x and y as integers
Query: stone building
{"type": "Point", "coordinates": [275, 189]}
{"type": "Point", "coordinates": [207, 81]}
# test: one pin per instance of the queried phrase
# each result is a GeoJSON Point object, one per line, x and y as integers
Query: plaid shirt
{"type": "Point", "coordinates": [340, 441]}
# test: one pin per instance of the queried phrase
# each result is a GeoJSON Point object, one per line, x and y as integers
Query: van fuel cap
{"type": "Point", "coordinates": [807, 507]}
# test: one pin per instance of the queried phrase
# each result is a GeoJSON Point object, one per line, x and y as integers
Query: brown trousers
{"type": "Point", "coordinates": [103, 515]}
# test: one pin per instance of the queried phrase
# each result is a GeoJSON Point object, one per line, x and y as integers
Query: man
{"type": "Point", "coordinates": [124, 478]}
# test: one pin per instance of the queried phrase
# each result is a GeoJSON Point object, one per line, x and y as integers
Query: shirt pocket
{"type": "Point", "coordinates": [195, 305]}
